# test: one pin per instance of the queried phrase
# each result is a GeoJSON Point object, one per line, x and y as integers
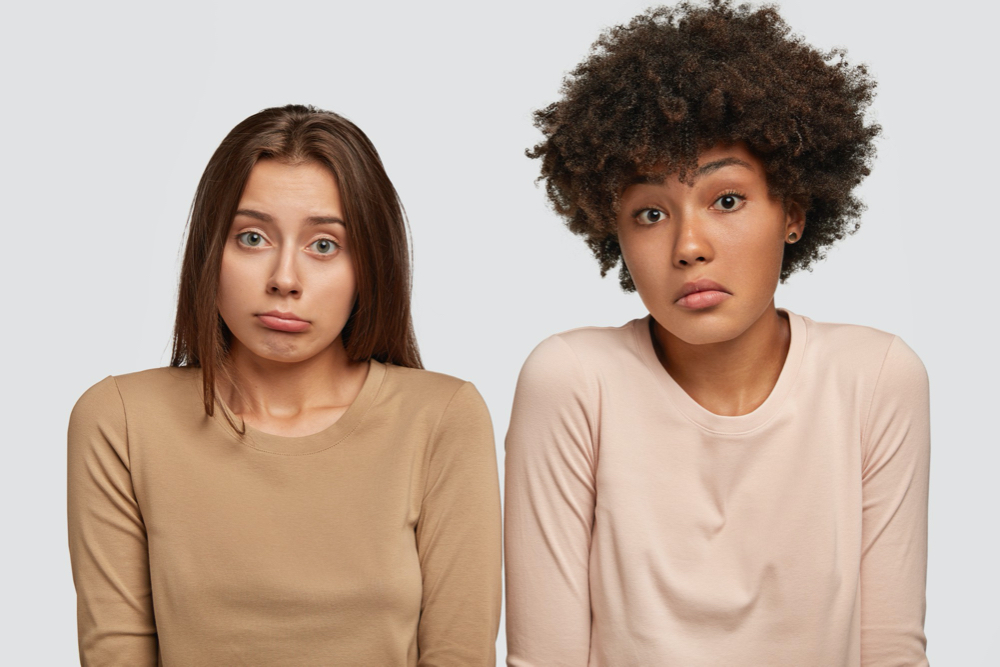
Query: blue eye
{"type": "Point", "coordinates": [729, 202]}
{"type": "Point", "coordinates": [649, 216]}
{"type": "Point", "coordinates": [324, 246]}
{"type": "Point", "coordinates": [252, 239]}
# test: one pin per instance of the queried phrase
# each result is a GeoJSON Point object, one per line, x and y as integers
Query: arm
{"type": "Point", "coordinates": [896, 449]}
{"type": "Point", "coordinates": [107, 538]}
{"type": "Point", "coordinates": [550, 495]}
{"type": "Point", "coordinates": [458, 539]}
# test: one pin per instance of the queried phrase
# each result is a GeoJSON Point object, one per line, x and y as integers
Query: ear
{"type": "Point", "coordinates": [795, 219]}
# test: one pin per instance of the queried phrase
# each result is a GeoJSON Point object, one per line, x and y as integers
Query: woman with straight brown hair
{"type": "Point", "coordinates": [294, 489]}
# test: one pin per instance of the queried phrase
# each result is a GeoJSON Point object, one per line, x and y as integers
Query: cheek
{"type": "Point", "coordinates": [335, 288]}
{"type": "Point", "coordinates": [646, 252]}
{"type": "Point", "coordinates": [234, 277]}
{"type": "Point", "coordinates": [755, 257]}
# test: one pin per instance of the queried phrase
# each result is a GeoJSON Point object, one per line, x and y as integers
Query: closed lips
{"type": "Point", "coordinates": [284, 316]}
{"type": "Point", "coordinates": [281, 321]}
{"type": "Point", "coordinates": [702, 285]}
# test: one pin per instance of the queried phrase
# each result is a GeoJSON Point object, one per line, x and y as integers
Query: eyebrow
{"type": "Point", "coordinates": [707, 168]}
{"type": "Point", "coordinates": [715, 165]}
{"type": "Point", "coordinates": [312, 220]}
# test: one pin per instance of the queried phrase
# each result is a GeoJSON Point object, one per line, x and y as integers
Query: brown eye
{"type": "Point", "coordinates": [649, 216]}
{"type": "Point", "coordinates": [728, 202]}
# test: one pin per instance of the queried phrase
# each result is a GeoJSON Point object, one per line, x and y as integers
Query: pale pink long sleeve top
{"type": "Point", "coordinates": [644, 530]}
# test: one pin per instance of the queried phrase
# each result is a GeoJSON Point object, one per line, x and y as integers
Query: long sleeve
{"type": "Point", "coordinates": [894, 514]}
{"type": "Point", "coordinates": [549, 511]}
{"type": "Point", "coordinates": [459, 540]}
{"type": "Point", "coordinates": [107, 538]}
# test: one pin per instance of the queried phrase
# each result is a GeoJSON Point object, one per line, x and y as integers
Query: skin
{"type": "Point", "coordinates": [722, 225]}
{"type": "Point", "coordinates": [288, 250]}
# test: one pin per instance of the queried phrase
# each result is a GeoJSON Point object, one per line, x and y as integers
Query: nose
{"type": "Point", "coordinates": [691, 246]}
{"type": "Point", "coordinates": [284, 279]}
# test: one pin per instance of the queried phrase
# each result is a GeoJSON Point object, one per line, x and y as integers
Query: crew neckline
{"type": "Point", "coordinates": [703, 417]}
{"type": "Point", "coordinates": [313, 443]}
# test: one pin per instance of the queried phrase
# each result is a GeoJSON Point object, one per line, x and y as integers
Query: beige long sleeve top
{"type": "Point", "coordinates": [373, 542]}
{"type": "Point", "coordinates": [642, 529]}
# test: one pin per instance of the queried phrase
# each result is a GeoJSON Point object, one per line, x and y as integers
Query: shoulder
{"type": "Point", "coordinates": [101, 401]}
{"type": "Point", "coordinates": [902, 377]}
{"type": "Point", "coordinates": [112, 390]}
{"type": "Point", "coordinates": [591, 343]}
{"type": "Point", "coordinates": [429, 385]}
{"type": "Point", "coordinates": [98, 429]}
{"type": "Point", "coordinates": [443, 411]}
{"type": "Point", "coordinates": [105, 415]}
{"type": "Point", "coordinates": [882, 376]}
{"type": "Point", "coordinates": [565, 371]}
{"type": "Point", "coordinates": [580, 351]}
{"type": "Point", "coordinates": [158, 383]}
{"type": "Point", "coordinates": [838, 338]}
{"type": "Point", "coordinates": [432, 393]}
{"type": "Point", "coordinates": [119, 395]}
{"type": "Point", "coordinates": [864, 350]}
{"type": "Point", "coordinates": [873, 369]}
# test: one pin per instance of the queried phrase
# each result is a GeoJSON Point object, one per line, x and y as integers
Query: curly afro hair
{"type": "Point", "coordinates": [674, 81]}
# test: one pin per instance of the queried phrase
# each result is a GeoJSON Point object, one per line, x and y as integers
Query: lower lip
{"type": "Point", "coordinates": [700, 300]}
{"type": "Point", "coordinates": [281, 324]}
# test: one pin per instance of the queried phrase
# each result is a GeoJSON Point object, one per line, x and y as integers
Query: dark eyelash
{"type": "Point", "coordinates": [336, 245]}
{"type": "Point", "coordinates": [636, 212]}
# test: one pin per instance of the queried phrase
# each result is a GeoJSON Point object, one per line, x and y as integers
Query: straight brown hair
{"type": "Point", "coordinates": [380, 325]}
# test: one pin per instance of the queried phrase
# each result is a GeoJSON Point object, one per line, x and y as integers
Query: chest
{"type": "Point", "coordinates": [322, 538]}
{"type": "Point", "coordinates": [722, 521]}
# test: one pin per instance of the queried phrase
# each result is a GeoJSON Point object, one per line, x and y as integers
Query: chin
{"type": "Point", "coordinates": [288, 351]}
{"type": "Point", "coordinates": [285, 357]}
{"type": "Point", "coordinates": [701, 328]}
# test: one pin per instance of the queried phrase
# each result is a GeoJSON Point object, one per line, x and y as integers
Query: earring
{"type": "Point", "coordinates": [792, 237]}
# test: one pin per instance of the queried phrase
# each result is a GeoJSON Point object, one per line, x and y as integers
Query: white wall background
{"type": "Point", "coordinates": [111, 110]}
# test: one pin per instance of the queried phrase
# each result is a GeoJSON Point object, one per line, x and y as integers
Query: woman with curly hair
{"type": "Point", "coordinates": [294, 489]}
{"type": "Point", "coordinates": [722, 482]}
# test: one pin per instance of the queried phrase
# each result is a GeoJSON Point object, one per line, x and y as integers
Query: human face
{"type": "Point", "coordinates": [705, 256]}
{"type": "Point", "coordinates": [288, 283]}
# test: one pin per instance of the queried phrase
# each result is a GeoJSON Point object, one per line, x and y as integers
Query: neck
{"type": "Point", "coordinates": [732, 377]}
{"type": "Point", "coordinates": [284, 390]}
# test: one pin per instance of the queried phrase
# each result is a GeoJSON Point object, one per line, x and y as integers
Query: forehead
{"type": "Point", "coordinates": [710, 161]}
{"type": "Point", "coordinates": [302, 184]}
{"type": "Point", "coordinates": [738, 150]}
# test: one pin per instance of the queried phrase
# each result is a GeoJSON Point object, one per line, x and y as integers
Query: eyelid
{"type": "Point", "coordinates": [730, 193]}
{"type": "Point", "coordinates": [328, 237]}
{"type": "Point", "coordinates": [331, 239]}
{"type": "Point", "coordinates": [336, 245]}
{"type": "Point", "coordinates": [639, 211]}
{"type": "Point", "coordinates": [238, 236]}
{"type": "Point", "coordinates": [253, 230]}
